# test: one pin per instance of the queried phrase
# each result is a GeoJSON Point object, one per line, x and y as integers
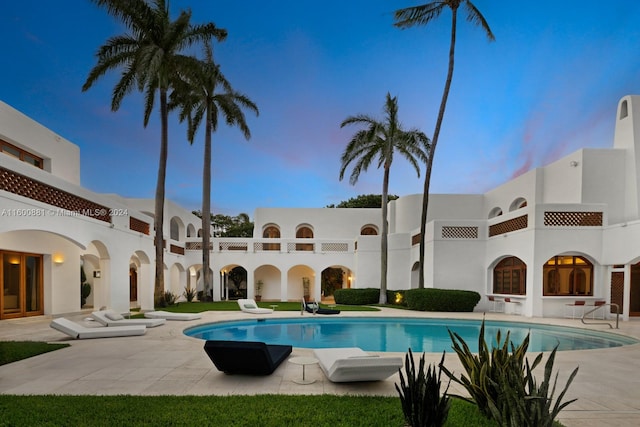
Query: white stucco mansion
{"type": "Point", "coordinates": [568, 231]}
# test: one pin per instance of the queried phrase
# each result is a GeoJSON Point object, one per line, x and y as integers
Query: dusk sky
{"type": "Point", "coordinates": [547, 86]}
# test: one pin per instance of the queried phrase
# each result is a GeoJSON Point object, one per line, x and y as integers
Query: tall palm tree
{"type": "Point", "coordinates": [199, 97]}
{"type": "Point", "coordinates": [148, 56]}
{"type": "Point", "coordinates": [382, 140]}
{"type": "Point", "coordinates": [423, 15]}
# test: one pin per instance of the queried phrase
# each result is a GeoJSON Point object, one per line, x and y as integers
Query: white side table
{"type": "Point", "coordinates": [304, 361]}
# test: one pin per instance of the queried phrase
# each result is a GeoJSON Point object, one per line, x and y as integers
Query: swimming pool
{"type": "Point", "coordinates": [397, 334]}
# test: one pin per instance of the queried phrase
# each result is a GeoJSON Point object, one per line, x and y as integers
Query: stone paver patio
{"type": "Point", "coordinates": [166, 362]}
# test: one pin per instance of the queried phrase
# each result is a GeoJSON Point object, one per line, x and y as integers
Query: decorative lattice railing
{"type": "Point", "coordinates": [459, 232]}
{"type": "Point", "coordinates": [23, 186]}
{"type": "Point", "coordinates": [573, 219]}
{"type": "Point", "coordinates": [508, 226]}
{"type": "Point", "coordinates": [138, 225]}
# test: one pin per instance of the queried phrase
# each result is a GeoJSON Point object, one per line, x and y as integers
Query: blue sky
{"type": "Point", "coordinates": [547, 86]}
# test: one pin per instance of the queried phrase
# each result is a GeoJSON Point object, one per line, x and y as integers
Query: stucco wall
{"type": "Point", "coordinates": [61, 157]}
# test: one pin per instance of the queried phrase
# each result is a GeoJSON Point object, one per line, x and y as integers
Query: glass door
{"type": "Point", "coordinates": [21, 283]}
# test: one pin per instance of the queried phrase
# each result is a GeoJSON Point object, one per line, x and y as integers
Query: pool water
{"type": "Point", "coordinates": [397, 334]}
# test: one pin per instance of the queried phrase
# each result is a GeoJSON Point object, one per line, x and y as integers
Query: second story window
{"type": "Point", "coordinates": [20, 154]}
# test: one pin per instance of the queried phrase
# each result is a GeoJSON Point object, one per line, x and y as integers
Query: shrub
{"type": "Point", "coordinates": [168, 298]}
{"type": "Point", "coordinates": [189, 294]}
{"type": "Point", "coordinates": [420, 397]}
{"type": "Point", "coordinates": [85, 291]}
{"type": "Point", "coordinates": [353, 296]}
{"type": "Point", "coordinates": [502, 385]}
{"type": "Point", "coordinates": [431, 299]}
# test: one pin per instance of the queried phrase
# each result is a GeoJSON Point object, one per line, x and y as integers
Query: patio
{"type": "Point", "coordinates": [166, 362]}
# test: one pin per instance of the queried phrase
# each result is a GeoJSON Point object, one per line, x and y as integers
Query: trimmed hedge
{"type": "Point", "coordinates": [431, 299]}
{"type": "Point", "coordinates": [353, 296]}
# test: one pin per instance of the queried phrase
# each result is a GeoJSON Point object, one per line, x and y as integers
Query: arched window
{"type": "Point", "coordinates": [369, 230]}
{"type": "Point", "coordinates": [567, 276]}
{"type": "Point", "coordinates": [271, 232]}
{"type": "Point", "coordinates": [495, 212]}
{"type": "Point", "coordinates": [304, 232]}
{"type": "Point", "coordinates": [624, 109]}
{"type": "Point", "coordinates": [174, 229]}
{"type": "Point", "coordinates": [518, 203]}
{"type": "Point", "coordinates": [509, 277]}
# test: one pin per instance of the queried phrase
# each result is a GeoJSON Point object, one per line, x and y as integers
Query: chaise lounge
{"type": "Point", "coordinates": [77, 331]}
{"type": "Point", "coordinates": [246, 357]}
{"type": "Point", "coordinates": [314, 308]}
{"type": "Point", "coordinates": [353, 364]}
{"type": "Point", "coordinates": [250, 306]}
{"type": "Point", "coordinates": [110, 318]}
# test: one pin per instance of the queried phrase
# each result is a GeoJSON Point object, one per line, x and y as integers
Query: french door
{"type": "Point", "coordinates": [21, 284]}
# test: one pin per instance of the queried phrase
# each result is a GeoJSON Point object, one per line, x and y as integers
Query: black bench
{"type": "Point", "coordinates": [246, 357]}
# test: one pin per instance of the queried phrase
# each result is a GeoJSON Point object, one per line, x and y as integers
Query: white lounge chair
{"type": "Point", "coordinates": [250, 306]}
{"type": "Point", "coordinates": [110, 318]}
{"type": "Point", "coordinates": [77, 331]}
{"type": "Point", "coordinates": [167, 315]}
{"type": "Point", "coordinates": [353, 364]}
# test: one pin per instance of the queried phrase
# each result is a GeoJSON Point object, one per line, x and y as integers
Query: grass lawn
{"type": "Point", "coordinates": [198, 307]}
{"type": "Point", "coordinates": [261, 410]}
{"type": "Point", "coordinates": [12, 351]}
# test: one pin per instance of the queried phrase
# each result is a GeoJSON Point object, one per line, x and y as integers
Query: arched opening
{"type": "Point", "coordinates": [567, 275]}
{"type": "Point", "coordinates": [270, 278]}
{"type": "Point", "coordinates": [624, 109]}
{"type": "Point", "coordinates": [235, 283]}
{"type": "Point", "coordinates": [176, 228]}
{"type": "Point", "coordinates": [509, 277]}
{"type": "Point", "coordinates": [415, 275]}
{"type": "Point", "coordinates": [495, 212]}
{"type": "Point", "coordinates": [518, 203]}
{"type": "Point", "coordinates": [332, 278]}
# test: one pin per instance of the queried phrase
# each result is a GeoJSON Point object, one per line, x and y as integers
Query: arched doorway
{"type": "Point", "coordinates": [133, 284]}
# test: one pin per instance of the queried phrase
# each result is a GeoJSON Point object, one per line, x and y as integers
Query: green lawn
{"type": "Point", "coordinates": [12, 351]}
{"type": "Point", "coordinates": [198, 307]}
{"type": "Point", "coordinates": [261, 410]}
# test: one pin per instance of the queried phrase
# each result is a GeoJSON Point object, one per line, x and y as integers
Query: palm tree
{"type": "Point", "coordinates": [423, 15]}
{"type": "Point", "coordinates": [381, 140]}
{"type": "Point", "coordinates": [198, 97]}
{"type": "Point", "coordinates": [149, 56]}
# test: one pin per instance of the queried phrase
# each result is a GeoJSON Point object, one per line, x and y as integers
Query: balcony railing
{"type": "Point", "coordinates": [275, 245]}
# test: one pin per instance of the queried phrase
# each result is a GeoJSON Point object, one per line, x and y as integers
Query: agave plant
{"type": "Point", "coordinates": [502, 385]}
{"type": "Point", "coordinates": [422, 404]}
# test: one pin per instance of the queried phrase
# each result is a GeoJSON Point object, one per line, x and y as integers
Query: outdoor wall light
{"type": "Point", "coordinates": [573, 163]}
{"type": "Point", "coordinates": [96, 274]}
{"type": "Point", "coordinates": [58, 259]}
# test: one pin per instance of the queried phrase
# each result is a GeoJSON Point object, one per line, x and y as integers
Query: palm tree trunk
{"type": "Point", "coordinates": [383, 237]}
{"type": "Point", "coordinates": [206, 205]}
{"type": "Point", "coordinates": [432, 148]}
{"type": "Point", "coordinates": [159, 208]}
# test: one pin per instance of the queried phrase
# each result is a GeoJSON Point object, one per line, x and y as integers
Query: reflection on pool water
{"type": "Point", "coordinates": [397, 334]}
